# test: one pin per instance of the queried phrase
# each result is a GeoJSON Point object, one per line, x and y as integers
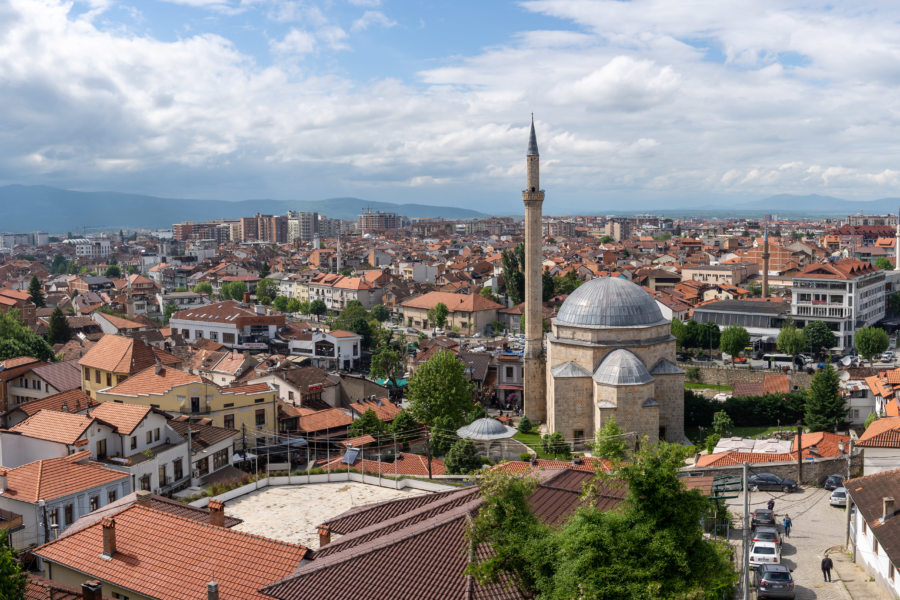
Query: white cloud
{"type": "Point", "coordinates": [294, 42]}
{"type": "Point", "coordinates": [365, 3]}
{"type": "Point", "coordinates": [370, 18]}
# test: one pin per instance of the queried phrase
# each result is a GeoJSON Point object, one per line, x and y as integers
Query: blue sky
{"type": "Point", "coordinates": [648, 103]}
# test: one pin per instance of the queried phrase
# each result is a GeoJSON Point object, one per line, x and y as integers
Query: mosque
{"type": "Point", "coordinates": [609, 353]}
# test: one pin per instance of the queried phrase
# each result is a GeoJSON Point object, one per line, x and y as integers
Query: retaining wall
{"type": "Point", "coordinates": [814, 471]}
{"type": "Point", "coordinates": [729, 376]}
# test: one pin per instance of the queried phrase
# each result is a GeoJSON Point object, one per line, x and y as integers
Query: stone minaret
{"type": "Point", "coordinates": [533, 196]}
{"type": "Point", "coordinates": [765, 257]}
{"type": "Point", "coordinates": [897, 245]}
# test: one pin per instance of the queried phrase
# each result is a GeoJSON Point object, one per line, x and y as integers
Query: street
{"type": "Point", "coordinates": [817, 527]}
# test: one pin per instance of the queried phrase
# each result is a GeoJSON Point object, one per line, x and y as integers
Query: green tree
{"type": "Point", "coordinates": [234, 290]}
{"type": "Point", "coordinates": [304, 307]}
{"type": "Point", "coordinates": [438, 315]}
{"type": "Point", "coordinates": [17, 339]}
{"type": "Point", "coordinates": [870, 342]}
{"type": "Point", "coordinates": [440, 390]}
{"type": "Point", "coordinates": [405, 427]}
{"type": "Point", "coordinates": [734, 339]}
{"type": "Point", "coordinates": [610, 441]}
{"type": "Point", "coordinates": [113, 272]}
{"type": "Point", "coordinates": [293, 305]}
{"type": "Point", "coordinates": [58, 331]}
{"type": "Point", "coordinates": [462, 458]}
{"type": "Point", "coordinates": [317, 307]}
{"type": "Point", "coordinates": [819, 338]}
{"type": "Point", "coordinates": [679, 332]}
{"type": "Point", "coordinates": [710, 442]}
{"type": "Point", "coordinates": [368, 423]}
{"type": "Point", "coordinates": [525, 425]}
{"type": "Point", "coordinates": [607, 239]}
{"type": "Point", "coordinates": [555, 444]}
{"type": "Point", "coordinates": [893, 303]}
{"type": "Point", "coordinates": [497, 327]}
{"type": "Point", "coordinates": [264, 270]}
{"type": "Point", "coordinates": [181, 288]}
{"type": "Point", "coordinates": [346, 271]}
{"type": "Point", "coordinates": [546, 286]}
{"type": "Point", "coordinates": [513, 263]}
{"type": "Point", "coordinates": [13, 577]}
{"type": "Point", "coordinates": [627, 553]}
{"type": "Point", "coordinates": [36, 291]}
{"type": "Point", "coordinates": [710, 335]}
{"type": "Point", "coordinates": [566, 284]}
{"type": "Point", "coordinates": [266, 290]}
{"type": "Point", "coordinates": [488, 293]}
{"type": "Point", "coordinates": [355, 318]}
{"type": "Point", "coordinates": [791, 341]}
{"type": "Point", "coordinates": [824, 406]}
{"type": "Point", "coordinates": [870, 419]}
{"type": "Point", "coordinates": [59, 264]}
{"type": "Point", "coordinates": [171, 309]}
{"type": "Point", "coordinates": [722, 424]}
{"type": "Point", "coordinates": [883, 264]}
{"type": "Point", "coordinates": [280, 303]}
{"type": "Point", "coordinates": [443, 434]}
{"type": "Point", "coordinates": [386, 363]}
{"type": "Point", "coordinates": [204, 287]}
{"type": "Point", "coordinates": [131, 270]}
{"type": "Point", "coordinates": [380, 313]}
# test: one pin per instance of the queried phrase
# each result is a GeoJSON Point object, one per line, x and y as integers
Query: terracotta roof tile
{"type": "Point", "coordinates": [881, 433]}
{"type": "Point", "coordinates": [119, 354]}
{"type": "Point", "coordinates": [54, 477]}
{"type": "Point", "coordinates": [124, 417]}
{"type": "Point", "coordinates": [53, 426]}
{"type": "Point", "coordinates": [161, 555]}
{"type": "Point", "coordinates": [453, 302]}
{"type": "Point", "coordinates": [384, 409]}
{"type": "Point", "coordinates": [148, 381]}
{"type": "Point", "coordinates": [72, 400]}
{"type": "Point", "coordinates": [320, 420]}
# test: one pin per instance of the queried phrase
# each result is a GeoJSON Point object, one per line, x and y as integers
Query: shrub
{"type": "Point", "coordinates": [525, 456]}
{"type": "Point", "coordinates": [525, 425]}
{"type": "Point", "coordinates": [711, 441]}
{"type": "Point", "coordinates": [692, 374]}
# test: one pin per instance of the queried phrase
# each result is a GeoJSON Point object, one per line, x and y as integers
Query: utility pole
{"type": "Point", "coordinates": [745, 559]}
{"type": "Point", "coordinates": [799, 453]}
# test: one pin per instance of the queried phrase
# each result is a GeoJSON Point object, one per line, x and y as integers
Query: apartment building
{"type": "Point", "coordinates": [85, 248]}
{"type": "Point", "coordinates": [229, 323]}
{"type": "Point", "coordinates": [846, 295]}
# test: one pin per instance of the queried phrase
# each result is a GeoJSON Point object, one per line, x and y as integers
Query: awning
{"type": "Point", "coordinates": [400, 382]}
{"type": "Point", "coordinates": [506, 386]}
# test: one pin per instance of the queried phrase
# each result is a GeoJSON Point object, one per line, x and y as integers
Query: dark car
{"type": "Point", "coordinates": [762, 516]}
{"type": "Point", "coordinates": [774, 581]}
{"type": "Point", "coordinates": [834, 481]}
{"type": "Point", "coordinates": [772, 482]}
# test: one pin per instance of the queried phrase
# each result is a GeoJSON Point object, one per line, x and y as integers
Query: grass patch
{"type": "Point", "coordinates": [690, 385]}
{"type": "Point", "coordinates": [694, 434]}
{"type": "Point", "coordinates": [533, 441]}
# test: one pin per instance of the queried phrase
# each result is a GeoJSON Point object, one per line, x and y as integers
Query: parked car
{"type": "Point", "coordinates": [834, 481]}
{"type": "Point", "coordinates": [839, 497]}
{"type": "Point", "coordinates": [774, 581]}
{"type": "Point", "coordinates": [762, 517]}
{"type": "Point", "coordinates": [767, 534]}
{"type": "Point", "coordinates": [452, 334]}
{"type": "Point", "coordinates": [887, 356]}
{"type": "Point", "coordinates": [771, 481]}
{"type": "Point", "coordinates": [764, 553]}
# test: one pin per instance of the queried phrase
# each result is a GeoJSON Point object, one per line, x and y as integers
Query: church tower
{"type": "Point", "coordinates": [535, 377]}
{"type": "Point", "coordinates": [765, 268]}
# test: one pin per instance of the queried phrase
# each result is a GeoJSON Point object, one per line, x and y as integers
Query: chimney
{"type": "Point", "coordinates": [91, 590]}
{"type": "Point", "coordinates": [324, 535]}
{"type": "Point", "coordinates": [3, 473]}
{"type": "Point", "coordinates": [246, 297]}
{"type": "Point", "coordinates": [887, 511]}
{"type": "Point", "coordinates": [142, 497]}
{"type": "Point", "coordinates": [212, 591]}
{"type": "Point", "coordinates": [109, 537]}
{"type": "Point", "coordinates": [217, 513]}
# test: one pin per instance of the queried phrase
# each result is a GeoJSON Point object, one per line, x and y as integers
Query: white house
{"type": "Point", "coordinates": [881, 444]}
{"type": "Point", "coordinates": [336, 349]}
{"type": "Point", "coordinates": [875, 527]}
{"type": "Point", "coordinates": [230, 323]}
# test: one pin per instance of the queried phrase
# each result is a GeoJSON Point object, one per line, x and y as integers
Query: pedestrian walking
{"type": "Point", "coordinates": [826, 567]}
{"type": "Point", "coordinates": [771, 504]}
{"type": "Point", "coordinates": [787, 525]}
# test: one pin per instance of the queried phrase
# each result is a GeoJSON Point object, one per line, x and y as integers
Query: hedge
{"type": "Point", "coordinates": [745, 411]}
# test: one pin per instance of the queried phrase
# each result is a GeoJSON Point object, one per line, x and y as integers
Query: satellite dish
{"type": "Point", "coordinates": [847, 361]}
{"type": "Point", "coordinates": [845, 375]}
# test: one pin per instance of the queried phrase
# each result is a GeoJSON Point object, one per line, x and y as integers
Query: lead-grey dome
{"type": "Point", "coordinates": [609, 302]}
{"type": "Point", "coordinates": [622, 367]}
{"type": "Point", "coordinates": [486, 429]}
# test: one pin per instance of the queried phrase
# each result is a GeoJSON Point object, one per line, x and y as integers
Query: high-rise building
{"type": "Point", "coordinates": [376, 222]}
{"type": "Point", "coordinates": [264, 228]}
{"type": "Point", "coordinates": [303, 226]}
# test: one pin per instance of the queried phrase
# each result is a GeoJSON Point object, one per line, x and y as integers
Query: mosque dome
{"type": "Point", "coordinates": [609, 302]}
{"type": "Point", "coordinates": [486, 429]}
{"type": "Point", "coordinates": [622, 367]}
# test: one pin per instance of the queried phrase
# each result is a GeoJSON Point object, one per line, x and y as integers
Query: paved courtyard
{"type": "Point", "coordinates": [292, 513]}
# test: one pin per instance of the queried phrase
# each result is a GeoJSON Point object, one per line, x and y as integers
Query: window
{"type": "Point", "coordinates": [119, 596]}
{"type": "Point", "coordinates": [162, 475]}
{"type": "Point", "coordinates": [101, 449]}
{"type": "Point", "coordinates": [229, 421]}
{"type": "Point", "coordinates": [145, 482]}
{"type": "Point", "coordinates": [133, 442]}
{"type": "Point", "coordinates": [53, 517]}
{"type": "Point", "coordinates": [228, 405]}
{"type": "Point", "coordinates": [177, 469]}
{"type": "Point", "coordinates": [108, 379]}
{"type": "Point", "coordinates": [111, 496]}
{"type": "Point", "coordinates": [186, 333]}
{"type": "Point", "coordinates": [227, 338]}
{"type": "Point", "coordinates": [579, 436]}
{"type": "Point", "coordinates": [149, 437]}
{"type": "Point", "coordinates": [95, 503]}
{"type": "Point", "coordinates": [214, 336]}
{"type": "Point", "coordinates": [156, 434]}
{"type": "Point", "coordinates": [290, 395]}
{"type": "Point", "coordinates": [87, 374]}
{"type": "Point", "coordinates": [259, 400]}
{"type": "Point", "coordinates": [198, 334]}
{"type": "Point", "coordinates": [261, 417]}
{"type": "Point", "coordinates": [70, 514]}
{"type": "Point", "coordinates": [220, 459]}
{"type": "Point", "coordinates": [202, 466]}
{"type": "Point", "coordinates": [510, 372]}
{"type": "Point", "coordinates": [96, 375]}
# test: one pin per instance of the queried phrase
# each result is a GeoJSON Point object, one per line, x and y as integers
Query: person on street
{"type": "Point", "coordinates": [826, 567]}
{"type": "Point", "coordinates": [771, 504]}
{"type": "Point", "coordinates": [787, 525]}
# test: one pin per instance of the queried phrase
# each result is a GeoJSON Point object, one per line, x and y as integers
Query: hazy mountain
{"type": "Point", "coordinates": [29, 208]}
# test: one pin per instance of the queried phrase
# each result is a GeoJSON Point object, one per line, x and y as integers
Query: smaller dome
{"type": "Point", "coordinates": [486, 429]}
{"type": "Point", "coordinates": [622, 367]}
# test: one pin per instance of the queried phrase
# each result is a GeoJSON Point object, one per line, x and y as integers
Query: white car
{"type": "Point", "coordinates": [887, 356]}
{"type": "Point", "coordinates": [838, 497]}
{"type": "Point", "coordinates": [764, 553]}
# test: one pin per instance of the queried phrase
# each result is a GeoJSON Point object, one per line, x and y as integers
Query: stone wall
{"type": "Point", "coordinates": [730, 376]}
{"type": "Point", "coordinates": [814, 472]}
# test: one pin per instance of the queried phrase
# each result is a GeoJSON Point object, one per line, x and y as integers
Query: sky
{"type": "Point", "coordinates": [643, 104]}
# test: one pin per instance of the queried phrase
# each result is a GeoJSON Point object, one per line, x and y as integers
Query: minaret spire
{"type": "Point", "coordinates": [535, 405]}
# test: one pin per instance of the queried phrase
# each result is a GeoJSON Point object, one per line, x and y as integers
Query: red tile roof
{"type": "Point", "coordinates": [161, 555]}
{"type": "Point", "coordinates": [53, 426]}
{"type": "Point", "coordinates": [403, 464]}
{"type": "Point", "coordinates": [384, 409]}
{"type": "Point", "coordinates": [54, 477]}
{"type": "Point", "coordinates": [119, 354]}
{"type": "Point", "coordinates": [453, 302]}
{"type": "Point", "coordinates": [72, 400]}
{"type": "Point", "coordinates": [881, 433]}
{"type": "Point", "coordinates": [320, 420]}
{"type": "Point", "coordinates": [124, 417]}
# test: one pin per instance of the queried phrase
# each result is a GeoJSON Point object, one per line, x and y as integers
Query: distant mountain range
{"type": "Point", "coordinates": [32, 208]}
{"type": "Point", "coordinates": [796, 205]}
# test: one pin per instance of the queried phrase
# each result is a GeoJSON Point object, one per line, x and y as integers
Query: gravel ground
{"type": "Point", "coordinates": [292, 513]}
